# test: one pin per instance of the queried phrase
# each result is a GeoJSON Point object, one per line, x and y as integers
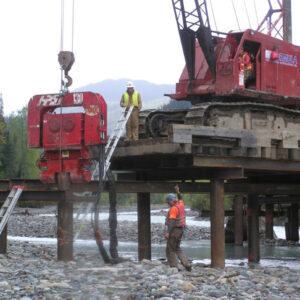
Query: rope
{"type": "Point", "coordinates": [63, 86]}
{"type": "Point", "coordinates": [60, 135]}
{"type": "Point", "coordinates": [237, 20]}
{"type": "Point", "coordinates": [247, 14]}
{"type": "Point", "coordinates": [62, 23]}
{"type": "Point", "coordinates": [255, 9]}
{"type": "Point", "coordinates": [73, 9]}
{"type": "Point", "coordinates": [213, 13]}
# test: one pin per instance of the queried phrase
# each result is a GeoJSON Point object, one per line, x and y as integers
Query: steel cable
{"type": "Point", "coordinates": [255, 9]}
{"type": "Point", "coordinates": [213, 13]}
{"type": "Point", "coordinates": [247, 14]}
{"type": "Point", "coordinates": [236, 17]}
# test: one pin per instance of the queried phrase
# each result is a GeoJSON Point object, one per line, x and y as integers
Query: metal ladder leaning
{"type": "Point", "coordinates": [109, 150]}
{"type": "Point", "coordinates": [113, 141]}
{"type": "Point", "coordinates": [9, 205]}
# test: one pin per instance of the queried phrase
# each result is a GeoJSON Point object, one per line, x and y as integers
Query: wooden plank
{"type": "Point", "coordinates": [142, 186]}
{"type": "Point", "coordinates": [180, 133]}
{"type": "Point", "coordinates": [228, 173]}
{"type": "Point", "coordinates": [167, 148]}
{"type": "Point", "coordinates": [184, 134]}
{"type": "Point", "coordinates": [295, 154]}
{"type": "Point", "coordinates": [246, 163]}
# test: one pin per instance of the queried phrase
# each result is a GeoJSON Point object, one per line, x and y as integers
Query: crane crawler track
{"type": "Point", "coordinates": [231, 115]}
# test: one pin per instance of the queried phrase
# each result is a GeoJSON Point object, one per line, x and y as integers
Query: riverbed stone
{"type": "Point", "coordinates": [32, 271]}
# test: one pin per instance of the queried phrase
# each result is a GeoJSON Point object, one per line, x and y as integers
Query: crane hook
{"type": "Point", "coordinates": [66, 60]}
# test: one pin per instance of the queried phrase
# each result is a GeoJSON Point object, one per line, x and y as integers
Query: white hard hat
{"type": "Point", "coordinates": [129, 84]}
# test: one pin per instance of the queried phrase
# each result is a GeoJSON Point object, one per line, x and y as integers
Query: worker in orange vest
{"type": "Point", "coordinates": [177, 201]}
{"type": "Point", "coordinates": [175, 224]}
{"type": "Point", "coordinates": [132, 98]}
{"type": "Point", "coordinates": [245, 62]}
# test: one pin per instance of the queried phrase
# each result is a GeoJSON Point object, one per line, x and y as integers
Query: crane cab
{"type": "Point", "coordinates": [275, 74]}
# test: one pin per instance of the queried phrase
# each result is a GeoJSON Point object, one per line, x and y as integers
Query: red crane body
{"type": "Point", "coordinates": [276, 71]}
{"type": "Point", "coordinates": [66, 136]}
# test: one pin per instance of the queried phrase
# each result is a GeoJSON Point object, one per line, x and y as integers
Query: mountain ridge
{"type": "Point", "coordinates": [152, 94]}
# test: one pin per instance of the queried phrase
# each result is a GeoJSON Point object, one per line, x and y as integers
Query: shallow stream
{"type": "Point", "coordinates": [198, 251]}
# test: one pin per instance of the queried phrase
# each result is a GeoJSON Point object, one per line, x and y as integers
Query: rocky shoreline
{"type": "Point", "coordinates": [34, 223]}
{"type": "Point", "coordinates": [30, 271]}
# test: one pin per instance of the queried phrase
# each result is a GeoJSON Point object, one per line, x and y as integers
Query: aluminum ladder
{"type": "Point", "coordinates": [112, 142]}
{"type": "Point", "coordinates": [9, 205]}
{"type": "Point", "coordinates": [109, 150]}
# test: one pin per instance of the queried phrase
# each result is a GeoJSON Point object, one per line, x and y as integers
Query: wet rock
{"type": "Point", "coordinates": [32, 272]}
{"type": "Point", "coordinates": [4, 284]}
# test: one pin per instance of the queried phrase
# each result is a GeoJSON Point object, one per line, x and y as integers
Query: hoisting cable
{"type": "Point", "coordinates": [73, 13]}
{"type": "Point", "coordinates": [213, 13]}
{"type": "Point", "coordinates": [247, 14]}
{"type": "Point", "coordinates": [255, 9]}
{"type": "Point", "coordinates": [237, 20]}
{"type": "Point", "coordinates": [65, 58]}
{"type": "Point", "coordinates": [62, 28]}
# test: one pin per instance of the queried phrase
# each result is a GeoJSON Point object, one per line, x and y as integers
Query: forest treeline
{"type": "Point", "coordinates": [16, 160]}
{"type": "Point", "coordinates": [19, 162]}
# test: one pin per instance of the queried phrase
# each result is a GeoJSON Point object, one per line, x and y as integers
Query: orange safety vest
{"type": "Point", "coordinates": [247, 62]}
{"type": "Point", "coordinates": [180, 220]}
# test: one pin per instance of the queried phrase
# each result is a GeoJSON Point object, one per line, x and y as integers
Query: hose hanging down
{"type": "Point", "coordinates": [95, 214]}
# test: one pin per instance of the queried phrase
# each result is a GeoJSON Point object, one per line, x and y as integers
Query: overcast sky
{"type": "Point", "coordinates": [113, 39]}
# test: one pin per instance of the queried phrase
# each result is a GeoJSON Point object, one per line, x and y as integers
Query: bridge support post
{"type": "Point", "coordinates": [269, 221]}
{"type": "Point", "coordinates": [292, 233]}
{"type": "Point", "coordinates": [217, 223]}
{"type": "Point", "coordinates": [65, 230]}
{"type": "Point", "coordinates": [238, 220]}
{"type": "Point", "coordinates": [253, 229]}
{"type": "Point", "coordinates": [144, 226]}
{"type": "Point", "coordinates": [3, 241]}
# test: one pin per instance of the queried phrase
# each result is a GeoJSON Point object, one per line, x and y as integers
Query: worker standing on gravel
{"type": "Point", "coordinates": [175, 223]}
{"type": "Point", "coordinates": [132, 98]}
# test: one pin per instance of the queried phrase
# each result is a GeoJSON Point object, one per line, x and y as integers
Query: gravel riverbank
{"type": "Point", "coordinates": [30, 271]}
{"type": "Point", "coordinates": [38, 223]}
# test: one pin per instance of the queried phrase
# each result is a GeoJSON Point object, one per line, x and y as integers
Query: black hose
{"type": "Point", "coordinates": [95, 221]}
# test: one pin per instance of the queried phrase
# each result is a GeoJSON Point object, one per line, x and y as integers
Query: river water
{"type": "Point", "coordinates": [198, 251]}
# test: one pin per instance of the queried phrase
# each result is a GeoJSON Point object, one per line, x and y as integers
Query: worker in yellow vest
{"type": "Point", "coordinates": [129, 98]}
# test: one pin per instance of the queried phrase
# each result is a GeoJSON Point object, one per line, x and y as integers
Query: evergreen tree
{"type": "Point", "coordinates": [173, 104]}
{"type": "Point", "coordinates": [21, 161]}
{"type": "Point", "coordinates": [7, 157]}
{"type": "Point", "coordinates": [2, 123]}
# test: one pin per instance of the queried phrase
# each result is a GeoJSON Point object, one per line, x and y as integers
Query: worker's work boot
{"type": "Point", "coordinates": [188, 268]}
